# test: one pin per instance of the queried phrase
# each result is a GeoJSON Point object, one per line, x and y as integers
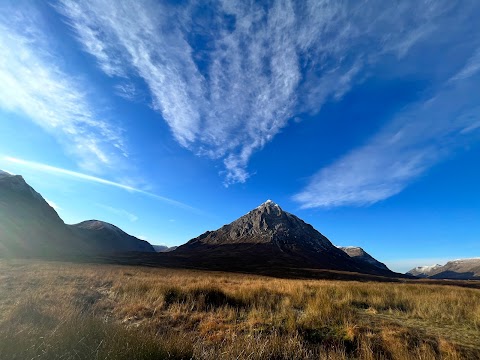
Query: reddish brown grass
{"type": "Point", "coordinates": [51, 310]}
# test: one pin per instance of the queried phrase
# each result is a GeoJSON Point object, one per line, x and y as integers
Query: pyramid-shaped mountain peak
{"type": "Point", "coordinates": [269, 207]}
{"type": "Point", "coordinates": [266, 224]}
{"type": "Point", "coordinates": [268, 236]}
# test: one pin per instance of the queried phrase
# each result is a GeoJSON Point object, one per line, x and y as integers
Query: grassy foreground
{"type": "Point", "coordinates": [53, 310]}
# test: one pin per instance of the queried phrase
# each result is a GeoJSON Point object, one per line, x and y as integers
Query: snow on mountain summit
{"type": "Point", "coordinates": [269, 207]}
{"type": "Point", "coordinates": [268, 203]}
{"type": "Point", "coordinates": [454, 269]}
{"type": "Point", "coordinates": [424, 271]}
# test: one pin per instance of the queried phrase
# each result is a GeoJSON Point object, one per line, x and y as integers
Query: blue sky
{"type": "Point", "coordinates": [172, 118]}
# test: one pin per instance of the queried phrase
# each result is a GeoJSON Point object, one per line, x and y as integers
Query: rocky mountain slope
{"type": "Point", "coordinates": [270, 237]}
{"type": "Point", "coordinates": [361, 255]}
{"type": "Point", "coordinates": [29, 226]}
{"type": "Point", "coordinates": [462, 269]}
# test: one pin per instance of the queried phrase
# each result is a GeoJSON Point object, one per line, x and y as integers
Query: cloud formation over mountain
{"type": "Point", "coordinates": [228, 77]}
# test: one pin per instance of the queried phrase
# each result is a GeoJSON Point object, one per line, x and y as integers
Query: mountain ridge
{"type": "Point", "coordinates": [29, 226]}
{"type": "Point", "coordinates": [265, 239]}
{"type": "Point", "coordinates": [268, 235]}
{"type": "Point", "coordinates": [460, 269]}
{"type": "Point", "coordinates": [110, 238]}
{"type": "Point", "coordinates": [361, 255]}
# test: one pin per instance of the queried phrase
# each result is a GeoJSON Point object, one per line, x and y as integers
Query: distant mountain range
{"type": "Point", "coordinates": [29, 226]}
{"type": "Point", "coordinates": [265, 240]}
{"type": "Point", "coordinates": [266, 237]}
{"type": "Point", "coordinates": [463, 269]}
{"type": "Point", "coordinates": [163, 248]}
{"type": "Point", "coordinates": [424, 271]}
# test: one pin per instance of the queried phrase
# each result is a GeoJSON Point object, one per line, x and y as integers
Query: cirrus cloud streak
{"type": "Point", "coordinates": [93, 179]}
{"type": "Point", "coordinates": [404, 149]}
{"type": "Point", "coordinates": [35, 86]}
{"type": "Point", "coordinates": [228, 77]}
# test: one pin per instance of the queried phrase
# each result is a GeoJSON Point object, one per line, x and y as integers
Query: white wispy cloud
{"type": "Point", "coordinates": [129, 91]}
{"type": "Point", "coordinates": [120, 212]}
{"type": "Point", "coordinates": [229, 81]}
{"type": "Point", "coordinates": [94, 179]}
{"type": "Point", "coordinates": [34, 85]}
{"type": "Point", "coordinates": [140, 38]}
{"type": "Point", "coordinates": [405, 148]}
{"type": "Point", "coordinates": [471, 67]}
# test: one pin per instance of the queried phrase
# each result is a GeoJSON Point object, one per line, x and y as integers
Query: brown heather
{"type": "Point", "coordinates": [53, 310]}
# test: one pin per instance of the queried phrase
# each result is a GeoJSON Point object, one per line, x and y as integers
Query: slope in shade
{"type": "Point", "coordinates": [269, 237]}
{"type": "Point", "coordinates": [109, 238]}
{"type": "Point", "coordinates": [361, 255]}
{"type": "Point", "coordinates": [29, 226]}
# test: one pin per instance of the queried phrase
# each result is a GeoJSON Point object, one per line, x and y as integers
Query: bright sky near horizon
{"type": "Point", "coordinates": [170, 118]}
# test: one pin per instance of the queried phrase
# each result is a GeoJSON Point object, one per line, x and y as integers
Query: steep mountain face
{"type": "Point", "coordinates": [29, 226]}
{"type": "Point", "coordinates": [4, 173]}
{"type": "Point", "coordinates": [462, 269]}
{"type": "Point", "coordinates": [267, 224]}
{"type": "Point", "coordinates": [424, 271]}
{"type": "Point", "coordinates": [361, 255]}
{"type": "Point", "coordinates": [269, 236]}
{"type": "Point", "coordinates": [108, 238]}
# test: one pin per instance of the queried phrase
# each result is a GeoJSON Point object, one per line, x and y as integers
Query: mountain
{"type": "Point", "coordinates": [163, 248]}
{"type": "Point", "coordinates": [108, 238]}
{"type": "Point", "coordinates": [4, 174]}
{"type": "Point", "coordinates": [29, 226]}
{"type": "Point", "coordinates": [361, 255]}
{"type": "Point", "coordinates": [424, 271]}
{"type": "Point", "coordinates": [462, 269]}
{"type": "Point", "coordinates": [268, 237]}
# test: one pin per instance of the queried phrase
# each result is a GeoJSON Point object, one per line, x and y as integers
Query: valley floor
{"type": "Point", "coordinates": [55, 310]}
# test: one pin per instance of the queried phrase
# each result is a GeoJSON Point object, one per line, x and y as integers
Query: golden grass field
{"type": "Point", "coordinates": [55, 310]}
